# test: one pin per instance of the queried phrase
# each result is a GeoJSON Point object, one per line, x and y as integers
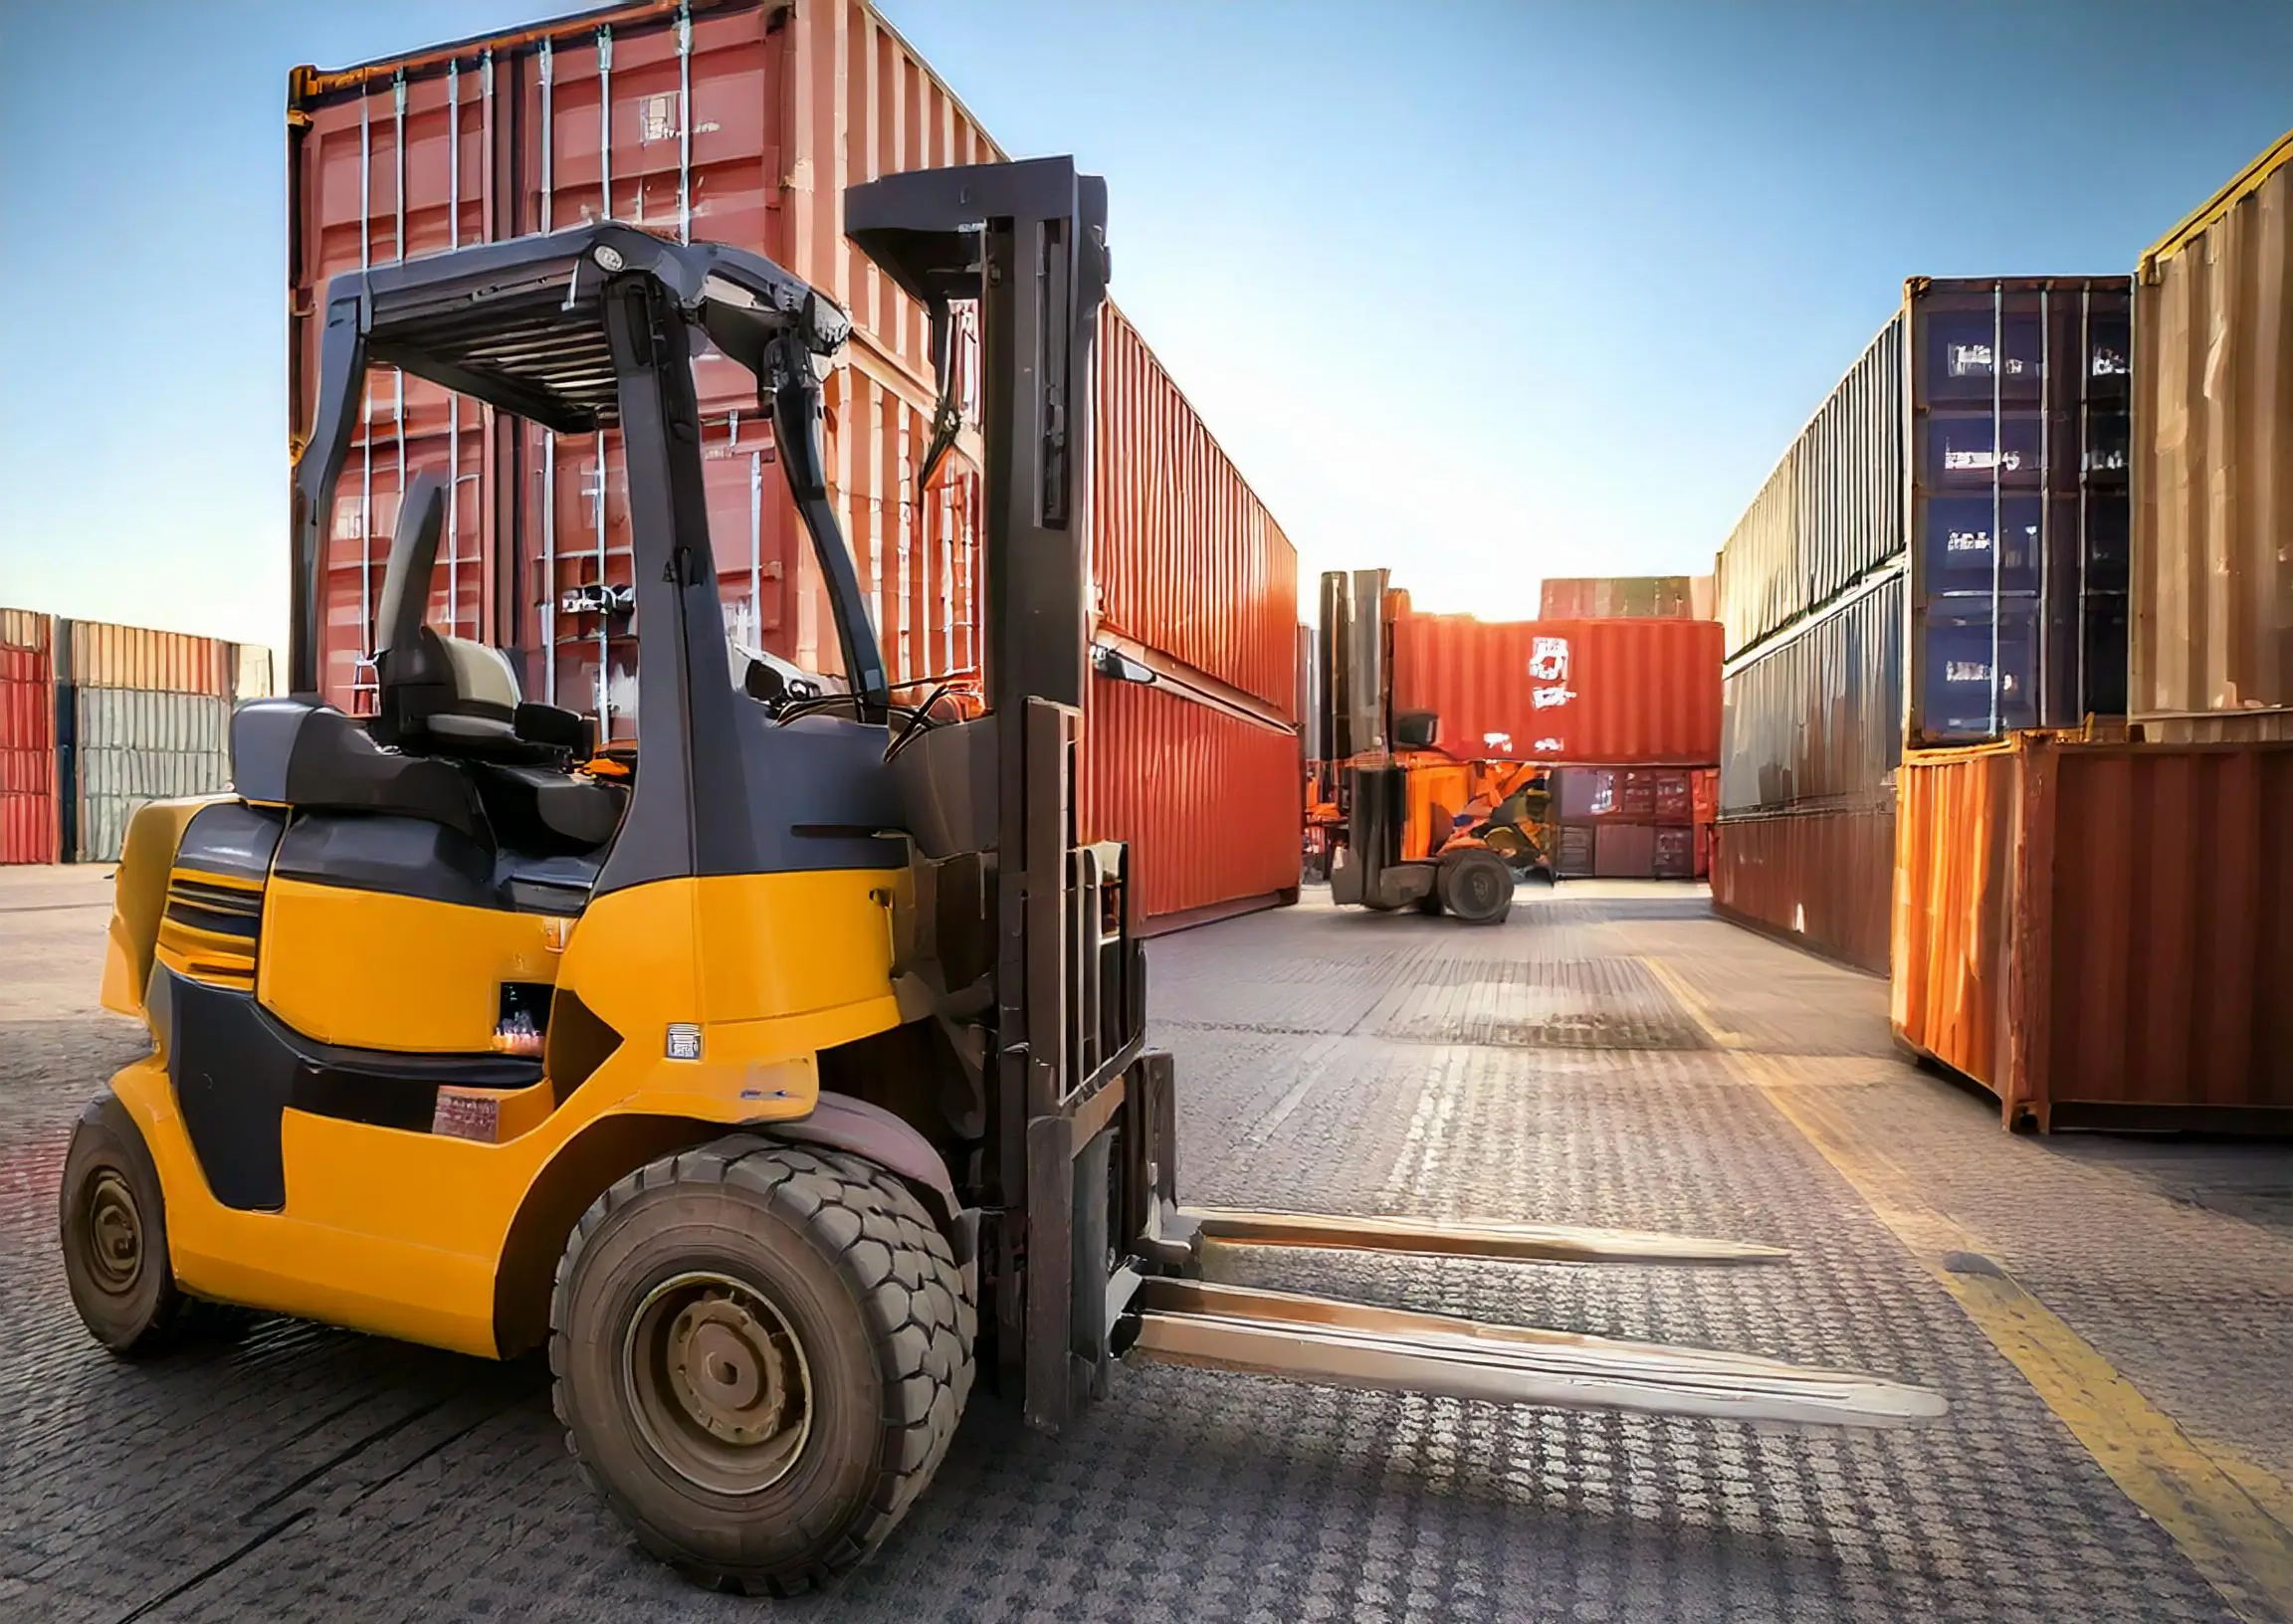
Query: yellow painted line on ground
{"type": "Point", "coordinates": [2230, 1518]}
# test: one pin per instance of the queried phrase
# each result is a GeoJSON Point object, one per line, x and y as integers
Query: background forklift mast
{"type": "Point", "coordinates": [1405, 823]}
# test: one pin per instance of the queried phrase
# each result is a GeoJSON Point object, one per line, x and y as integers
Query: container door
{"type": "Point", "coordinates": [1675, 854]}
{"type": "Point", "coordinates": [1575, 861]}
{"type": "Point", "coordinates": [1624, 851]}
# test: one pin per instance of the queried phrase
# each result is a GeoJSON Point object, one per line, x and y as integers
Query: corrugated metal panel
{"type": "Point", "coordinates": [745, 128]}
{"type": "Point", "coordinates": [1822, 879]}
{"type": "Point", "coordinates": [1185, 556]}
{"type": "Point", "coordinates": [1816, 718]}
{"type": "Point", "coordinates": [1832, 512]}
{"type": "Point", "coordinates": [27, 738]}
{"type": "Point", "coordinates": [253, 672]}
{"type": "Point", "coordinates": [1207, 801]}
{"type": "Point", "coordinates": [1624, 851]}
{"type": "Point", "coordinates": [1619, 597]}
{"type": "Point", "coordinates": [1626, 692]}
{"type": "Point", "coordinates": [107, 656]}
{"type": "Point", "coordinates": [135, 745]}
{"type": "Point", "coordinates": [2020, 513]}
{"type": "Point", "coordinates": [2102, 933]}
{"type": "Point", "coordinates": [2212, 473]}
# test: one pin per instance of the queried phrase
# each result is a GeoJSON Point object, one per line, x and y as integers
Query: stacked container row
{"type": "Point", "coordinates": [744, 121]}
{"type": "Point", "coordinates": [95, 720]}
{"type": "Point", "coordinates": [1627, 823]}
{"type": "Point", "coordinates": [1940, 557]}
{"type": "Point", "coordinates": [2102, 933]}
{"type": "Point", "coordinates": [1612, 692]}
{"type": "Point", "coordinates": [1626, 597]}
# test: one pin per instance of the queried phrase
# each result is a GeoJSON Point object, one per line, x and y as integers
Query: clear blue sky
{"type": "Point", "coordinates": [1486, 293]}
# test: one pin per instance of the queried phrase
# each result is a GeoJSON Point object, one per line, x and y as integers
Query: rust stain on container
{"type": "Point", "coordinates": [28, 807]}
{"type": "Point", "coordinates": [1207, 801]}
{"type": "Point", "coordinates": [2213, 573]}
{"type": "Point", "coordinates": [2102, 933]}
{"type": "Point", "coordinates": [1628, 692]}
{"type": "Point", "coordinates": [1819, 879]}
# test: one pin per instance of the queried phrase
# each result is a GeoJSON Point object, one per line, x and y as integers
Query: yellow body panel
{"type": "Point", "coordinates": [403, 1233]}
{"type": "Point", "coordinates": [371, 971]}
{"type": "Point", "coordinates": [140, 895]}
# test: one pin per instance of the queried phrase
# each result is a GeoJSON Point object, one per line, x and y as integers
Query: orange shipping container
{"type": "Point", "coordinates": [1208, 801]}
{"type": "Point", "coordinates": [2101, 934]}
{"type": "Point", "coordinates": [1625, 693]}
{"type": "Point", "coordinates": [107, 656]}
{"type": "Point", "coordinates": [744, 121]}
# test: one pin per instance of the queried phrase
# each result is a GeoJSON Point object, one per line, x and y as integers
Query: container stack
{"type": "Point", "coordinates": [28, 815]}
{"type": "Point", "coordinates": [95, 720]}
{"type": "Point", "coordinates": [1941, 553]}
{"type": "Point", "coordinates": [2099, 931]}
{"type": "Point", "coordinates": [1625, 823]}
{"type": "Point", "coordinates": [744, 122]}
{"type": "Point", "coordinates": [146, 717]}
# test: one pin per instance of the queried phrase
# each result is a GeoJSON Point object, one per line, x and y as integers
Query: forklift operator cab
{"type": "Point", "coordinates": [779, 1085]}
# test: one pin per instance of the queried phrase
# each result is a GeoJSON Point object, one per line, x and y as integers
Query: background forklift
{"type": "Point", "coordinates": [773, 1084]}
{"type": "Point", "coordinates": [1401, 822]}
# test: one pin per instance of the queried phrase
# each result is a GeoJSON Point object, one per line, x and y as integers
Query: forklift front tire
{"type": "Point", "coordinates": [114, 1222]}
{"type": "Point", "coordinates": [1476, 885]}
{"type": "Point", "coordinates": [762, 1351]}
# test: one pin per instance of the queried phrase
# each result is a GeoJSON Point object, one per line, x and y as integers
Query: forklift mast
{"type": "Point", "coordinates": [1080, 1121]}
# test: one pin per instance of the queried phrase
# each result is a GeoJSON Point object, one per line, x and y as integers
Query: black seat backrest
{"type": "Point", "coordinates": [290, 753]}
{"type": "Point", "coordinates": [442, 693]}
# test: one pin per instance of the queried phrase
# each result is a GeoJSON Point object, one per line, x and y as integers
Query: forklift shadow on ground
{"type": "Point", "coordinates": [782, 1075]}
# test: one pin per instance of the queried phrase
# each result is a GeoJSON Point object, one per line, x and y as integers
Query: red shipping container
{"type": "Point", "coordinates": [1703, 850]}
{"type": "Point", "coordinates": [1633, 692]}
{"type": "Point", "coordinates": [28, 828]}
{"type": "Point", "coordinates": [1207, 800]}
{"type": "Point", "coordinates": [1675, 857]}
{"type": "Point", "coordinates": [743, 121]}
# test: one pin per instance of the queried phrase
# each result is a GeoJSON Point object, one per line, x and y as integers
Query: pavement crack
{"type": "Point", "coordinates": [379, 1435]}
{"type": "Point", "coordinates": [443, 1444]}
{"type": "Point", "coordinates": [213, 1568]}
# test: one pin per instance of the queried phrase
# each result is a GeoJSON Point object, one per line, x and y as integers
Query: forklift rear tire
{"type": "Point", "coordinates": [760, 1352]}
{"type": "Point", "coordinates": [114, 1221]}
{"type": "Point", "coordinates": [1476, 885]}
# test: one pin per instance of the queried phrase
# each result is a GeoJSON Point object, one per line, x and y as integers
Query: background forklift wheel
{"type": "Point", "coordinates": [114, 1233]}
{"type": "Point", "coordinates": [762, 1351]}
{"type": "Point", "coordinates": [1476, 885]}
{"type": "Point", "coordinates": [1429, 905]}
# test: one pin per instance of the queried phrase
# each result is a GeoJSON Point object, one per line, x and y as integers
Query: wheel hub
{"type": "Point", "coordinates": [718, 1382]}
{"type": "Point", "coordinates": [114, 1234]}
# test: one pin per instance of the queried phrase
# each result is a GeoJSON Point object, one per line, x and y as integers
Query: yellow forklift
{"type": "Point", "coordinates": [1402, 822]}
{"type": "Point", "coordinates": [780, 1080]}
